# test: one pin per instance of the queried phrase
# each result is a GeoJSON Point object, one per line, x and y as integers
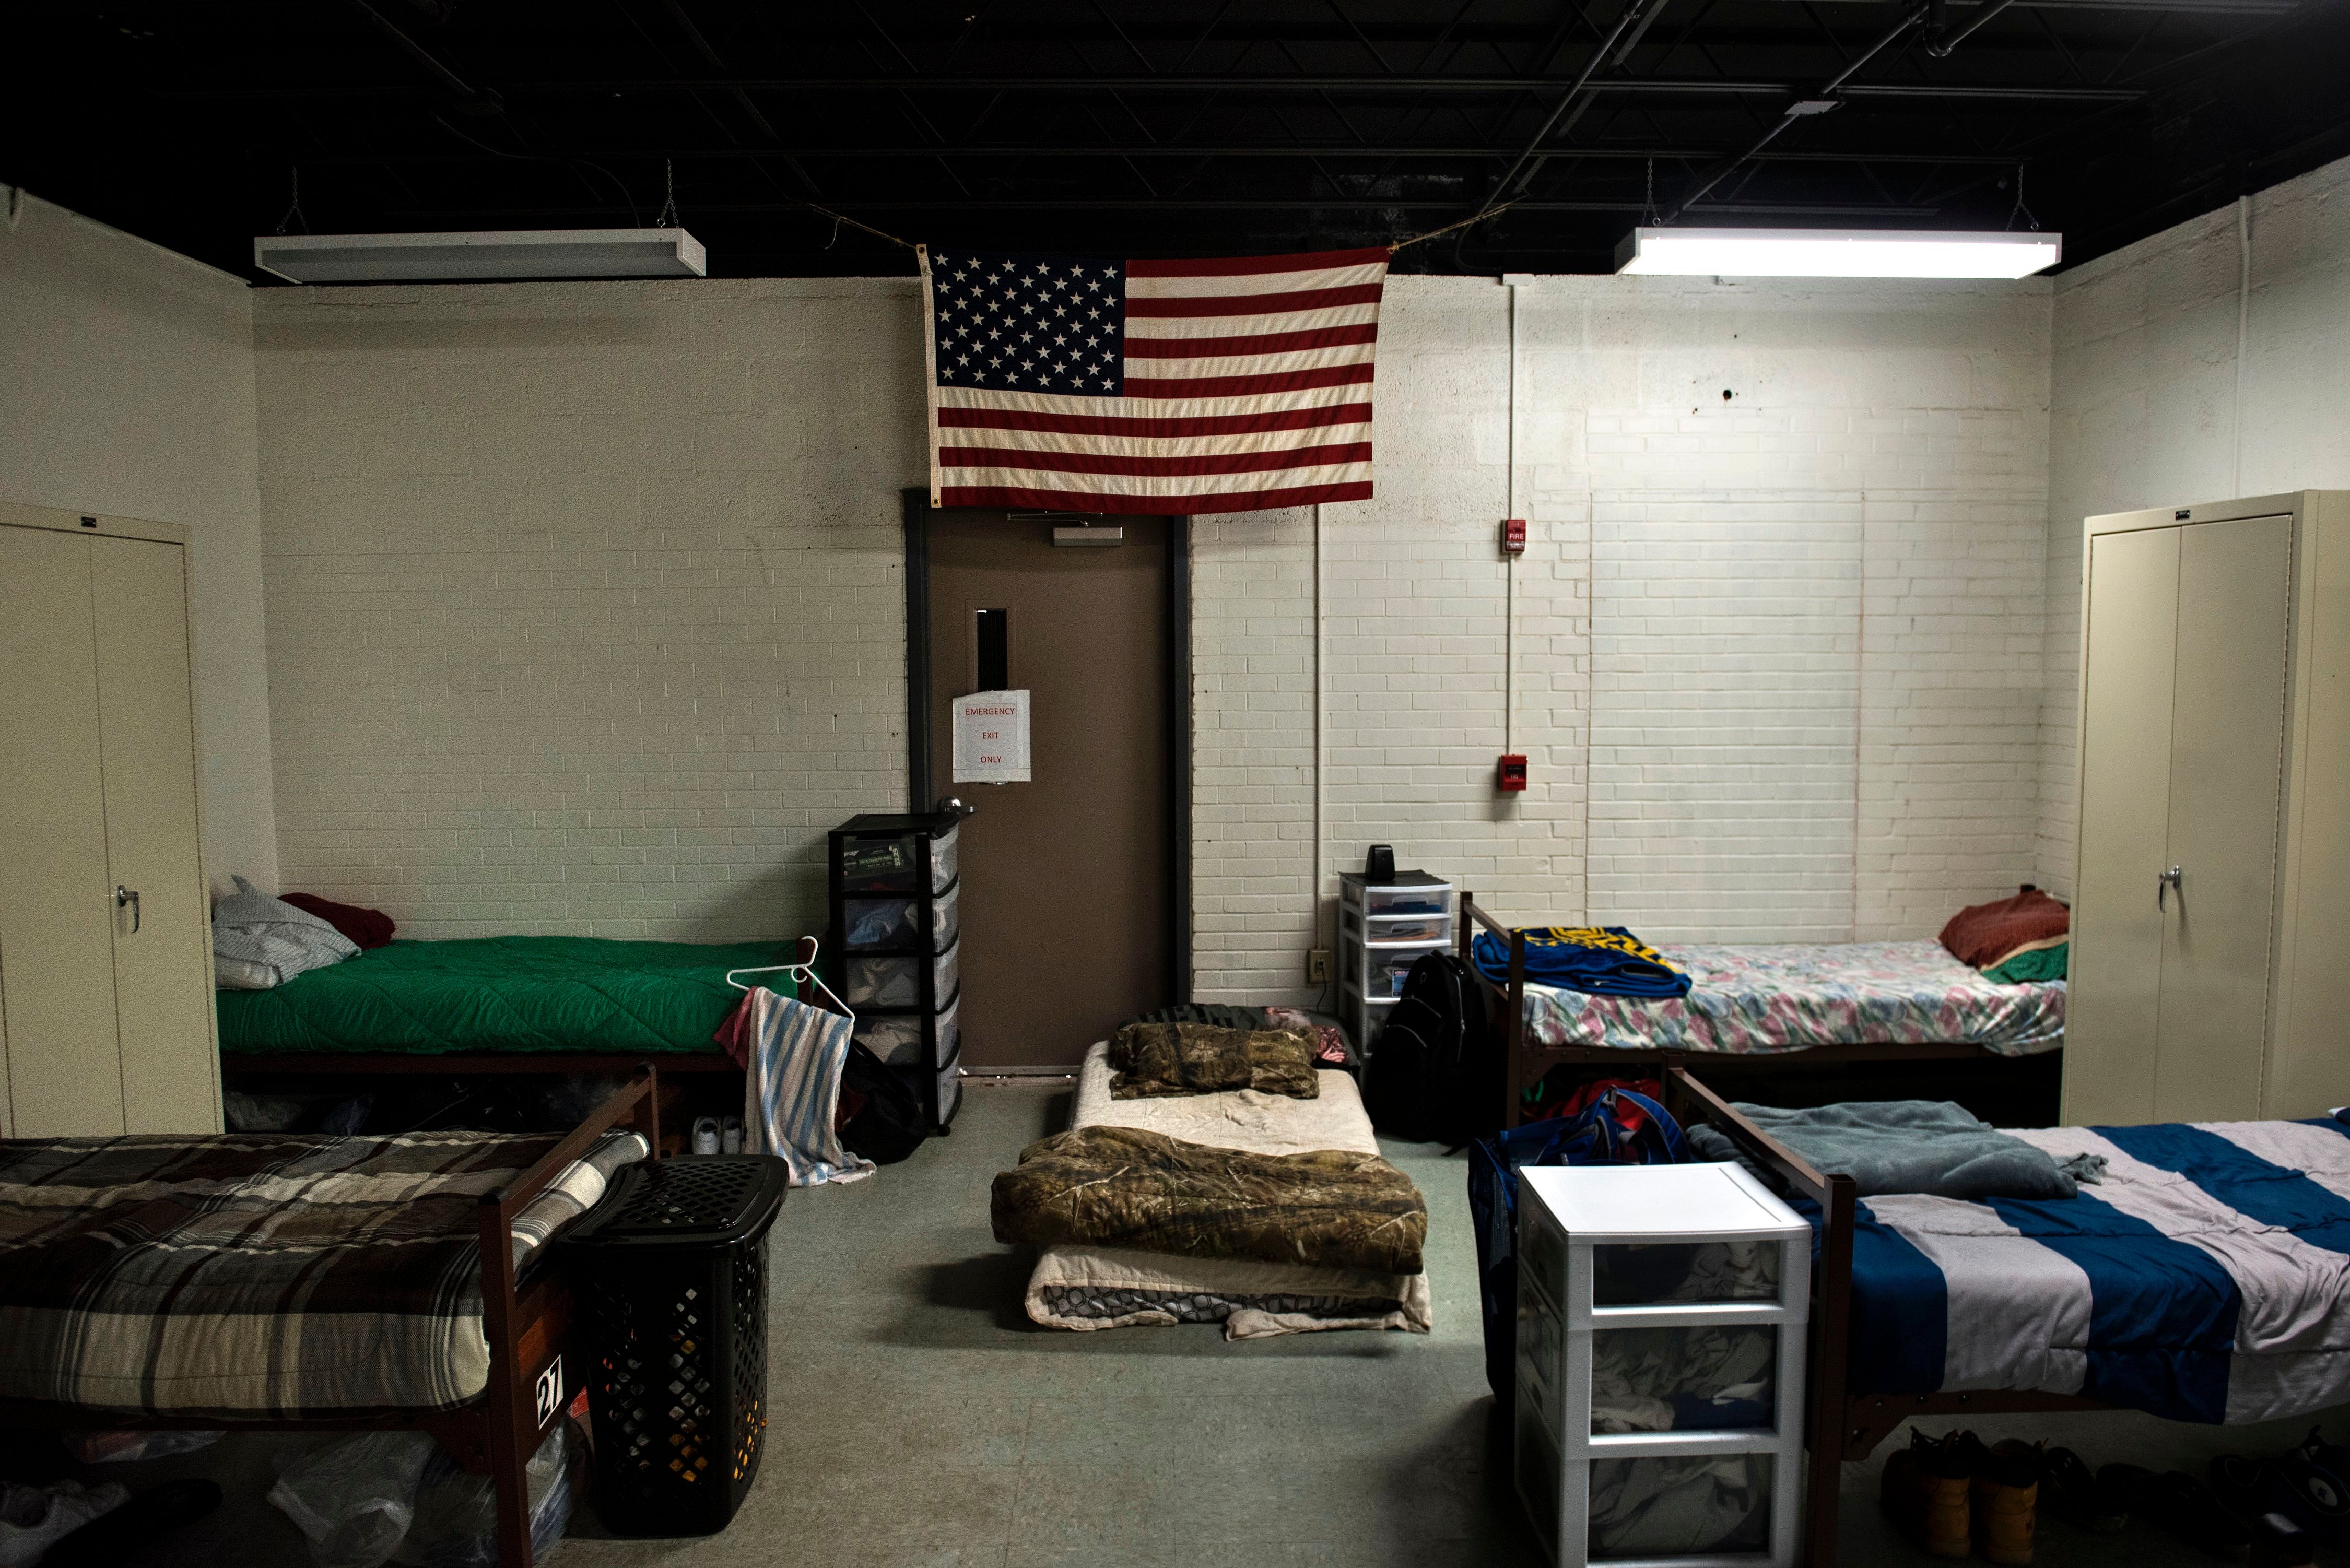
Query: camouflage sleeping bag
{"type": "Point", "coordinates": [1124, 1187]}
{"type": "Point", "coordinates": [1147, 1060]}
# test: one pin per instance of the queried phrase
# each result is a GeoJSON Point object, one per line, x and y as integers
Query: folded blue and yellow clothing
{"type": "Point", "coordinates": [1605, 960]}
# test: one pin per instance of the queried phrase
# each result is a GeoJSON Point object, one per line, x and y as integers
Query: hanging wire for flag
{"type": "Point", "coordinates": [1471, 218]}
{"type": "Point", "coordinates": [838, 219]}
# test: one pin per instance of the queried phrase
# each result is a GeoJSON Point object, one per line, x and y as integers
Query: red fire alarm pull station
{"type": "Point", "coordinates": [1511, 776]}
{"type": "Point", "coordinates": [1513, 535]}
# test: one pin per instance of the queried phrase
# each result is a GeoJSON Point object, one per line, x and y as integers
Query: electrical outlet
{"type": "Point", "coordinates": [1317, 966]}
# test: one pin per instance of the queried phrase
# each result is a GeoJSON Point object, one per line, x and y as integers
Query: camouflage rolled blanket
{"type": "Point", "coordinates": [1123, 1186]}
{"type": "Point", "coordinates": [1147, 1060]}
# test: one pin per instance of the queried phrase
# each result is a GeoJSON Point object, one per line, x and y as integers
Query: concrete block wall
{"type": "Point", "coordinates": [1778, 657]}
{"type": "Point", "coordinates": [585, 601]}
{"type": "Point", "coordinates": [585, 609]}
{"type": "Point", "coordinates": [2148, 412]}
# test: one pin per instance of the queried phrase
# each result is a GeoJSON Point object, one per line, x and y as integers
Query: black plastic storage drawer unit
{"type": "Point", "coordinates": [896, 908]}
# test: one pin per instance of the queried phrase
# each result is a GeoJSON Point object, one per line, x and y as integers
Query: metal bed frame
{"type": "Point", "coordinates": [529, 1328]}
{"type": "Point", "coordinates": [1526, 1060]}
{"type": "Point", "coordinates": [1842, 1424]}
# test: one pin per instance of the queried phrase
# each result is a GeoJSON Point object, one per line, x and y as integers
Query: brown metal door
{"type": "Point", "coordinates": [1066, 879]}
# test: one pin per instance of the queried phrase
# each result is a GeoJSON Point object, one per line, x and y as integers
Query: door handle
{"type": "Point", "coordinates": [2164, 882]}
{"type": "Point", "coordinates": [129, 896]}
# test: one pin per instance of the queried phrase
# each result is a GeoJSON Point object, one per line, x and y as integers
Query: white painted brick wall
{"type": "Point", "coordinates": [585, 601]}
{"type": "Point", "coordinates": [586, 610]}
{"type": "Point", "coordinates": [1846, 749]}
{"type": "Point", "coordinates": [1725, 704]}
{"type": "Point", "coordinates": [2145, 410]}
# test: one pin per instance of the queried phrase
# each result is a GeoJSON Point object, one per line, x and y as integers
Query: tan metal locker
{"type": "Point", "coordinates": [2116, 962]}
{"type": "Point", "coordinates": [162, 926]}
{"type": "Point", "coordinates": [56, 951]}
{"type": "Point", "coordinates": [2209, 929]}
{"type": "Point", "coordinates": [106, 1008]}
{"type": "Point", "coordinates": [2227, 734]}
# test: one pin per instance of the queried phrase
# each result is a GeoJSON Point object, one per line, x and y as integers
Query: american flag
{"type": "Point", "coordinates": [1176, 386]}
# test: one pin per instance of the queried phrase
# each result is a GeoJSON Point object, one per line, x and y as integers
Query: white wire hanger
{"type": "Point", "coordinates": [803, 970]}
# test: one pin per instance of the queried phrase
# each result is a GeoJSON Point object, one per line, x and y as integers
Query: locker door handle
{"type": "Point", "coordinates": [2164, 882]}
{"type": "Point", "coordinates": [129, 896]}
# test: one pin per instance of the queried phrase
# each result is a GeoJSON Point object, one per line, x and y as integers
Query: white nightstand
{"type": "Point", "coordinates": [1636, 1284]}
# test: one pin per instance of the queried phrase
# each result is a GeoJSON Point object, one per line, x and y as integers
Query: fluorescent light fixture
{"type": "Point", "coordinates": [464, 257]}
{"type": "Point", "coordinates": [1836, 253]}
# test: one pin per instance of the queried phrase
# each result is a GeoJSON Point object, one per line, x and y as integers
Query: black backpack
{"type": "Point", "coordinates": [889, 1126]}
{"type": "Point", "coordinates": [1434, 1072]}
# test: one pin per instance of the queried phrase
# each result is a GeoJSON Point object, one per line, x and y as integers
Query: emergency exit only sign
{"type": "Point", "coordinates": [991, 738]}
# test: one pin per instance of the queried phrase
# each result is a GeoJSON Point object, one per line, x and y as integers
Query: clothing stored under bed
{"type": "Point", "coordinates": [1755, 1000]}
{"type": "Point", "coordinates": [501, 994]}
{"type": "Point", "coordinates": [2205, 1277]}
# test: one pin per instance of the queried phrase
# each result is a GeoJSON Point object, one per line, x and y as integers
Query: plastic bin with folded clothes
{"type": "Point", "coordinates": [886, 981]}
{"type": "Point", "coordinates": [897, 1037]}
{"type": "Point", "coordinates": [1671, 1506]}
{"type": "Point", "coordinates": [1658, 1363]}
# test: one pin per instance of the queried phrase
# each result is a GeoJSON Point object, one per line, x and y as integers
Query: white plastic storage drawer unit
{"type": "Point", "coordinates": [1661, 1314]}
{"type": "Point", "coordinates": [1384, 928]}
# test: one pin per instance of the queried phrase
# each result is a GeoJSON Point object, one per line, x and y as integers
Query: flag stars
{"type": "Point", "coordinates": [1028, 322]}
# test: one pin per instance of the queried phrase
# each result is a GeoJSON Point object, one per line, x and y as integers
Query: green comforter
{"type": "Point", "coordinates": [503, 994]}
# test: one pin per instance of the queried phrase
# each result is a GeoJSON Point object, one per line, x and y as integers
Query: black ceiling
{"type": "Point", "coordinates": [1164, 126]}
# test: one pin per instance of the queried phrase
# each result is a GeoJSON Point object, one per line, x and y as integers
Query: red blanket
{"type": "Point", "coordinates": [1982, 934]}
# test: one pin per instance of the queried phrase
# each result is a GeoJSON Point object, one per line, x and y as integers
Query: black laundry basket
{"type": "Point", "coordinates": [673, 1270]}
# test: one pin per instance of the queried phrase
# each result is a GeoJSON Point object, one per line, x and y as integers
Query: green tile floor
{"type": "Point", "coordinates": [923, 1421]}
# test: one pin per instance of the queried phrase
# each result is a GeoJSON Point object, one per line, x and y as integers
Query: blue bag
{"type": "Point", "coordinates": [1619, 1128]}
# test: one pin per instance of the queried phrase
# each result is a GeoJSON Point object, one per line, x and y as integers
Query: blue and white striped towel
{"type": "Point", "coordinates": [2207, 1278]}
{"type": "Point", "coordinates": [793, 1088]}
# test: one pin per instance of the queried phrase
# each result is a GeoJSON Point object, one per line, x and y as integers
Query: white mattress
{"type": "Point", "coordinates": [1261, 1124]}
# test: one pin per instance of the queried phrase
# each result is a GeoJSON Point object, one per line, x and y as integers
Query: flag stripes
{"type": "Point", "coordinates": [1197, 385]}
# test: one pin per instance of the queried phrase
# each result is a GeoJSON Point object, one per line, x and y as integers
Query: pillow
{"type": "Point", "coordinates": [1149, 1060]}
{"type": "Point", "coordinates": [1330, 1040]}
{"type": "Point", "coordinates": [1982, 934]}
{"type": "Point", "coordinates": [367, 928]}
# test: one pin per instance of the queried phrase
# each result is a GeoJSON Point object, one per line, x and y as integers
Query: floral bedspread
{"type": "Point", "coordinates": [1750, 1001]}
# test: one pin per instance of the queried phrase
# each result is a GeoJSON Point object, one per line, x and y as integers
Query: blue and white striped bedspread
{"type": "Point", "coordinates": [2205, 1279]}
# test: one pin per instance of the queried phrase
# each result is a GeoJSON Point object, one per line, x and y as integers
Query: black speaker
{"type": "Point", "coordinates": [1380, 865]}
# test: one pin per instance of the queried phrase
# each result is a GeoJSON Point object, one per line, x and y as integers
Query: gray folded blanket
{"type": "Point", "coordinates": [1911, 1146]}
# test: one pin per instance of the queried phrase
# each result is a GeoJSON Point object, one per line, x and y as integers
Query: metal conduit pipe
{"type": "Point", "coordinates": [1943, 40]}
{"type": "Point", "coordinates": [1820, 102]}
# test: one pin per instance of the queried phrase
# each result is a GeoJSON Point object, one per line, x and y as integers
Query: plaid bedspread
{"type": "Point", "coordinates": [275, 1274]}
{"type": "Point", "coordinates": [1753, 1001]}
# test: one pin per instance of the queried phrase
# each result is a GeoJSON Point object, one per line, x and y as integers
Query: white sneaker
{"type": "Point", "coordinates": [34, 1518]}
{"type": "Point", "coordinates": [705, 1134]}
{"type": "Point", "coordinates": [730, 1135]}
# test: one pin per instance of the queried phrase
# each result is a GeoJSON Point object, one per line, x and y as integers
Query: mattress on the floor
{"type": "Point", "coordinates": [1101, 1287]}
{"type": "Point", "coordinates": [1752, 999]}
{"type": "Point", "coordinates": [503, 994]}
{"type": "Point", "coordinates": [2205, 1278]}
